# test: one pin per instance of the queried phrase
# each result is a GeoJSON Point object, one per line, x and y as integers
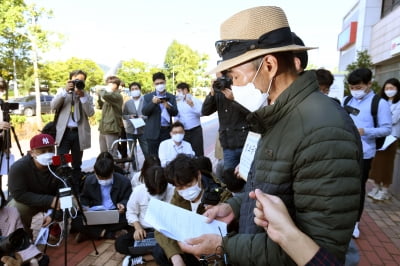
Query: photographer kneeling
{"type": "Point", "coordinates": [193, 191]}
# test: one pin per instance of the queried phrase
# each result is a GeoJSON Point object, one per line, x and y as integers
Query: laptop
{"type": "Point", "coordinates": [143, 247]}
{"type": "Point", "coordinates": [102, 217]}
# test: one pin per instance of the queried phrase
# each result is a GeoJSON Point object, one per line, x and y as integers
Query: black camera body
{"type": "Point", "coordinates": [79, 84]}
{"type": "Point", "coordinates": [162, 98]}
{"type": "Point", "coordinates": [222, 83]}
{"type": "Point", "coordinates": [212, 196]}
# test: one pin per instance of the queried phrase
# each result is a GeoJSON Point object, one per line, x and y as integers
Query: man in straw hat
{"type": "Point", "coordinates": [308, 153]}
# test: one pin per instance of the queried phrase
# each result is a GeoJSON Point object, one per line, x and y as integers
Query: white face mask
{"type": "Point", "coordinates": [179, 96]}
{"type": "Point", "coordinates": [160, 87]}
{"type": "Point", "coordinates": [135, 93]}
{"type": "Point", "coordinates": [190, 193]}
{"type": "Point", "coordinates": [104, 183]}
{"type": "Point", "coordinates": [177, 137]}
{"type": "Point", "coordinates": [249, 96]}
{"type": "Point", "coordinates": [358, 94]}
{"type": "Point", "coordinates": [109, 88]}
{"type": "Point", "coordinates": [44, 158]}
{"type": "Point", "coordinates": [390, 93]}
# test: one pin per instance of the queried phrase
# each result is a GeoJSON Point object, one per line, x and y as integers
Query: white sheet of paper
{"type": "Point", "coordinates": [178, 223]}
{"type": "Point", "coordinates": [388, 140]}
{"type": "Point", "coordinates": [248, 152]}
{"type": "Point", "coordinates": [137, 122]}
{"type": "Point", "coordinates": [4, 167]}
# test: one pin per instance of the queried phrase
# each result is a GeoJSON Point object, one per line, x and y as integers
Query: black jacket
{"type": "Point", "coordinates": [233, 127]}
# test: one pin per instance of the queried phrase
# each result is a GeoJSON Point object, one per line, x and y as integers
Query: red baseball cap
{"type": "Point", "coordinates": [42, 140]}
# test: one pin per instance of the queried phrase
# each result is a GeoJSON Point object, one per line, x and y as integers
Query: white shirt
{"type": "Point", "coordinates": [189, 116]}
{"type": "Point", "coordinates": [139, 200]}
{"type": "Point", "coordinates": [168, 150]}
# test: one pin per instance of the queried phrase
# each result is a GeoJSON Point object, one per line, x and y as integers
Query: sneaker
{"type": "Point", "coordinates": [130, 261]}
{"type": "Point", "coordinates": [381, 195]}
{"type": "Point", "coordinates": [356, 231]}
{"type": "Point", "coordinates": [373, 192]}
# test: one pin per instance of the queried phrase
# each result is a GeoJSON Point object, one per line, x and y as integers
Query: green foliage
{"type": "Point", "coordinates": [94, 119]}
{"type": "Point", "coordinates": [17, 119]}
{"type": "Point", "coordinates": [184, 65]}
{"type": "Point", "coordinates": [363, 61]}
{"type": "Point", "coordinates": [56, 73]}
{"type": "Point", "coordinates": [136, 71]}
{"type": "Point", "coordinates": [47, 118]}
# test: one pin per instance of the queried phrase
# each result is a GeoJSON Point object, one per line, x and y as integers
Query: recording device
{"type": "Point", "coordinates": [16, 241]}
{"type": "Point", "coordinates": [7, 107]}
{"type": "Point", "coordinates": [212, 196]}
{"type": "Point", "coordinates": [351, 110]}
{"type": "Point", "coordinates": [65, 195]}
{"type": "Point", "coordinates": [162, 98]}
{"type": "Point", "coordinates": [79, 84]}
{"type": "Point", "coordinates": [222, 83]}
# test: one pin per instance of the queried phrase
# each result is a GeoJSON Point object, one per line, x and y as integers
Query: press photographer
{"type": "Point", "coordinates": [5, 141]}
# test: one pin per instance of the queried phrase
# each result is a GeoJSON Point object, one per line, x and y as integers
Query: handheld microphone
{"type": "Point", "coordinates": [62, 159]}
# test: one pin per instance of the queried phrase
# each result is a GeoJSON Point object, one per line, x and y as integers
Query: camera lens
{"type": "Point", "coordinates": [79, 84]}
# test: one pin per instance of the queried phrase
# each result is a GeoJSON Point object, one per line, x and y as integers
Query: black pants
{"type": "Point", "coordinates": [123, 242]}
{"type": "Point", "coordinates": [365, 173]}
{"type": "Point", "coordinates": [161, 258]}
{"type": "Point", "coordinates": [195, 137]}
{"type": "Point", "coordinates": [153, 144]}
{"type": "Point", "coordinates": [70, 142]}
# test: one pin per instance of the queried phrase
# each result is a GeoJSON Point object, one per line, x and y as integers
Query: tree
{"type": "Point", "coordinates": [363, 60]}
{"type": "Point", "coordinates": [136, 71]}
{"type": "Point", "coordinates": [182, 64]}
{"type": "Point", "coordinates": [55, 74]}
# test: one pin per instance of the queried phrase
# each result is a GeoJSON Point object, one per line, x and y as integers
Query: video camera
{"type": "Point", "coordinates": [212, 196]}
{"type": "Point", "coordinates": [222, 83]}
{"type": "Point", "coordinates": [79, 84]}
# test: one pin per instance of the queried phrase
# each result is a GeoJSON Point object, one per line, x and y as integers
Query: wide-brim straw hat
{"type": "Point", "coordinates": [252, 33]}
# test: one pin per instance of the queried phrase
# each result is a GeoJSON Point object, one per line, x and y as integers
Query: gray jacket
{"type": "Point", "coordinates": [128, 110]}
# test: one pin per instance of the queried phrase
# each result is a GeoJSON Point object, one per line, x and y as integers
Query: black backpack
{"type": "Point", "coordinates": [374, 112]}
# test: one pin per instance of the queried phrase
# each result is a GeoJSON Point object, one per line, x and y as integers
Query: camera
{"type": "Point", "coordinates": [222, 83]}
{"type": "Point", "coordinates": [17, 240]}
{"type": "Point", "coordinates": [79, 84]}
{"type": "Point", "coordinates": [162, 98]}
{"type": "Point", "coordinates": [212, 196]}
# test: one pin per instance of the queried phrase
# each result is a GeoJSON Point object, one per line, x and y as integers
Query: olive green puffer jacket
{"type": "Point", "coordinates": [309, 156]}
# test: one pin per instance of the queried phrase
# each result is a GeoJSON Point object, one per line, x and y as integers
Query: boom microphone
{"type": "Point", "coordinates": [62, 159]}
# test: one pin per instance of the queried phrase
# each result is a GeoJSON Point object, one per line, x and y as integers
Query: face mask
{"type": "Point", "coordinates": [104, 183]}
{"type": "Point", "coordinates": [45, 158]}
{"type": "Point", "coordinates": [135, 93]}
{"type": "Point", "coordinates": [390, 93]}
{"type": "Point", "coordinates": [108, 89]}
{"type": "Point", "coordinates": [179, 96]}
{"type": "Point", "coordinates": [190, 193]}
{"type": "Point", "coordinates": [358, 94]}
{"type": "Point", "coordinates": [249, 96]}
{"type": "Point", "coordinates": [177, 137]}
{"type": "Point", "coordinates": [160, 87]}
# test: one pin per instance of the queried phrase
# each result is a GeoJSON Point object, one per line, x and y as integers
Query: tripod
{"type": "Point", "coordinates": [6, 141]}
{"type": "Point", "coordinates": [64, 197]}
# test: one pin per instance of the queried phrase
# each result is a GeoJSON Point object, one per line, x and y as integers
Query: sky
{"type": "Point", "coordinates": [109, 31]}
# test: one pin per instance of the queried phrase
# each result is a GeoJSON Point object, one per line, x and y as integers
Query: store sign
{"type": "Point", "coordinates": [395, 46]}
{"type": "Point", "coordinates": [348, 36]}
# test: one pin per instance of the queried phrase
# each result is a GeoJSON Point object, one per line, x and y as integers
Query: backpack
{"type": "Point", "coordinates": [374, 112]}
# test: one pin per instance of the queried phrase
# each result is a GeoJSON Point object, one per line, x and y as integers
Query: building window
{"type": "Point", "coordinates": [388, 6]}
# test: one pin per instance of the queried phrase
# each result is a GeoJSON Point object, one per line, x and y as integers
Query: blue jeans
{"type": "Point", "coordinates": [231, 158]}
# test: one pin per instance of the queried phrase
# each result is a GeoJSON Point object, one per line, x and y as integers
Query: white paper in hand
{"type": "Point", "coordinates": [180, 224]}
{"type": "Point", "coordinates": [248, 152]}
{"type": "Point", "coordinates": [137, 122]}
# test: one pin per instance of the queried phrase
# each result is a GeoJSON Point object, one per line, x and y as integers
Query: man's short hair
{"type": "Point", "coordinates": [303, 55]}
{"type": "Point", "coordinates": [182, 170]}
{"type": "Point", "coordinates": [113, 79]}
{"type": "Point", "coordinates": [360, 75]}
{"type": "Point", "coordinates": [155, 180]}
{"type": "Point", "coordinates": [183, 85]}
{"type": "Point", "coordinates": [177, 124]}
{"type": "Point", "coordinates": [104, 165]}
{"type": "Point", "coordinates": [158, 75]}
{"type": "Point", "coordinates": [135, 84]}
{"type": "Point", "coordinates": [324, 77]}
{"type": "Point", "coordinates": [76, 73]}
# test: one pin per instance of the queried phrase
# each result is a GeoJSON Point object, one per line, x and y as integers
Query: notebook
{"type": "Point", "coordinates": [143, 247]}
{"type": "Point", "coordinates": [102, 217]}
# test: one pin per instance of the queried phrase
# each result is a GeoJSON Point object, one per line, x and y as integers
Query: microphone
{"type": "Point", "coordinates": [62, 159]}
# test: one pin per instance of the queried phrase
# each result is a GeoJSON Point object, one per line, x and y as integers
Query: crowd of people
{"type": "Point", "coordinates": [302, 199]}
